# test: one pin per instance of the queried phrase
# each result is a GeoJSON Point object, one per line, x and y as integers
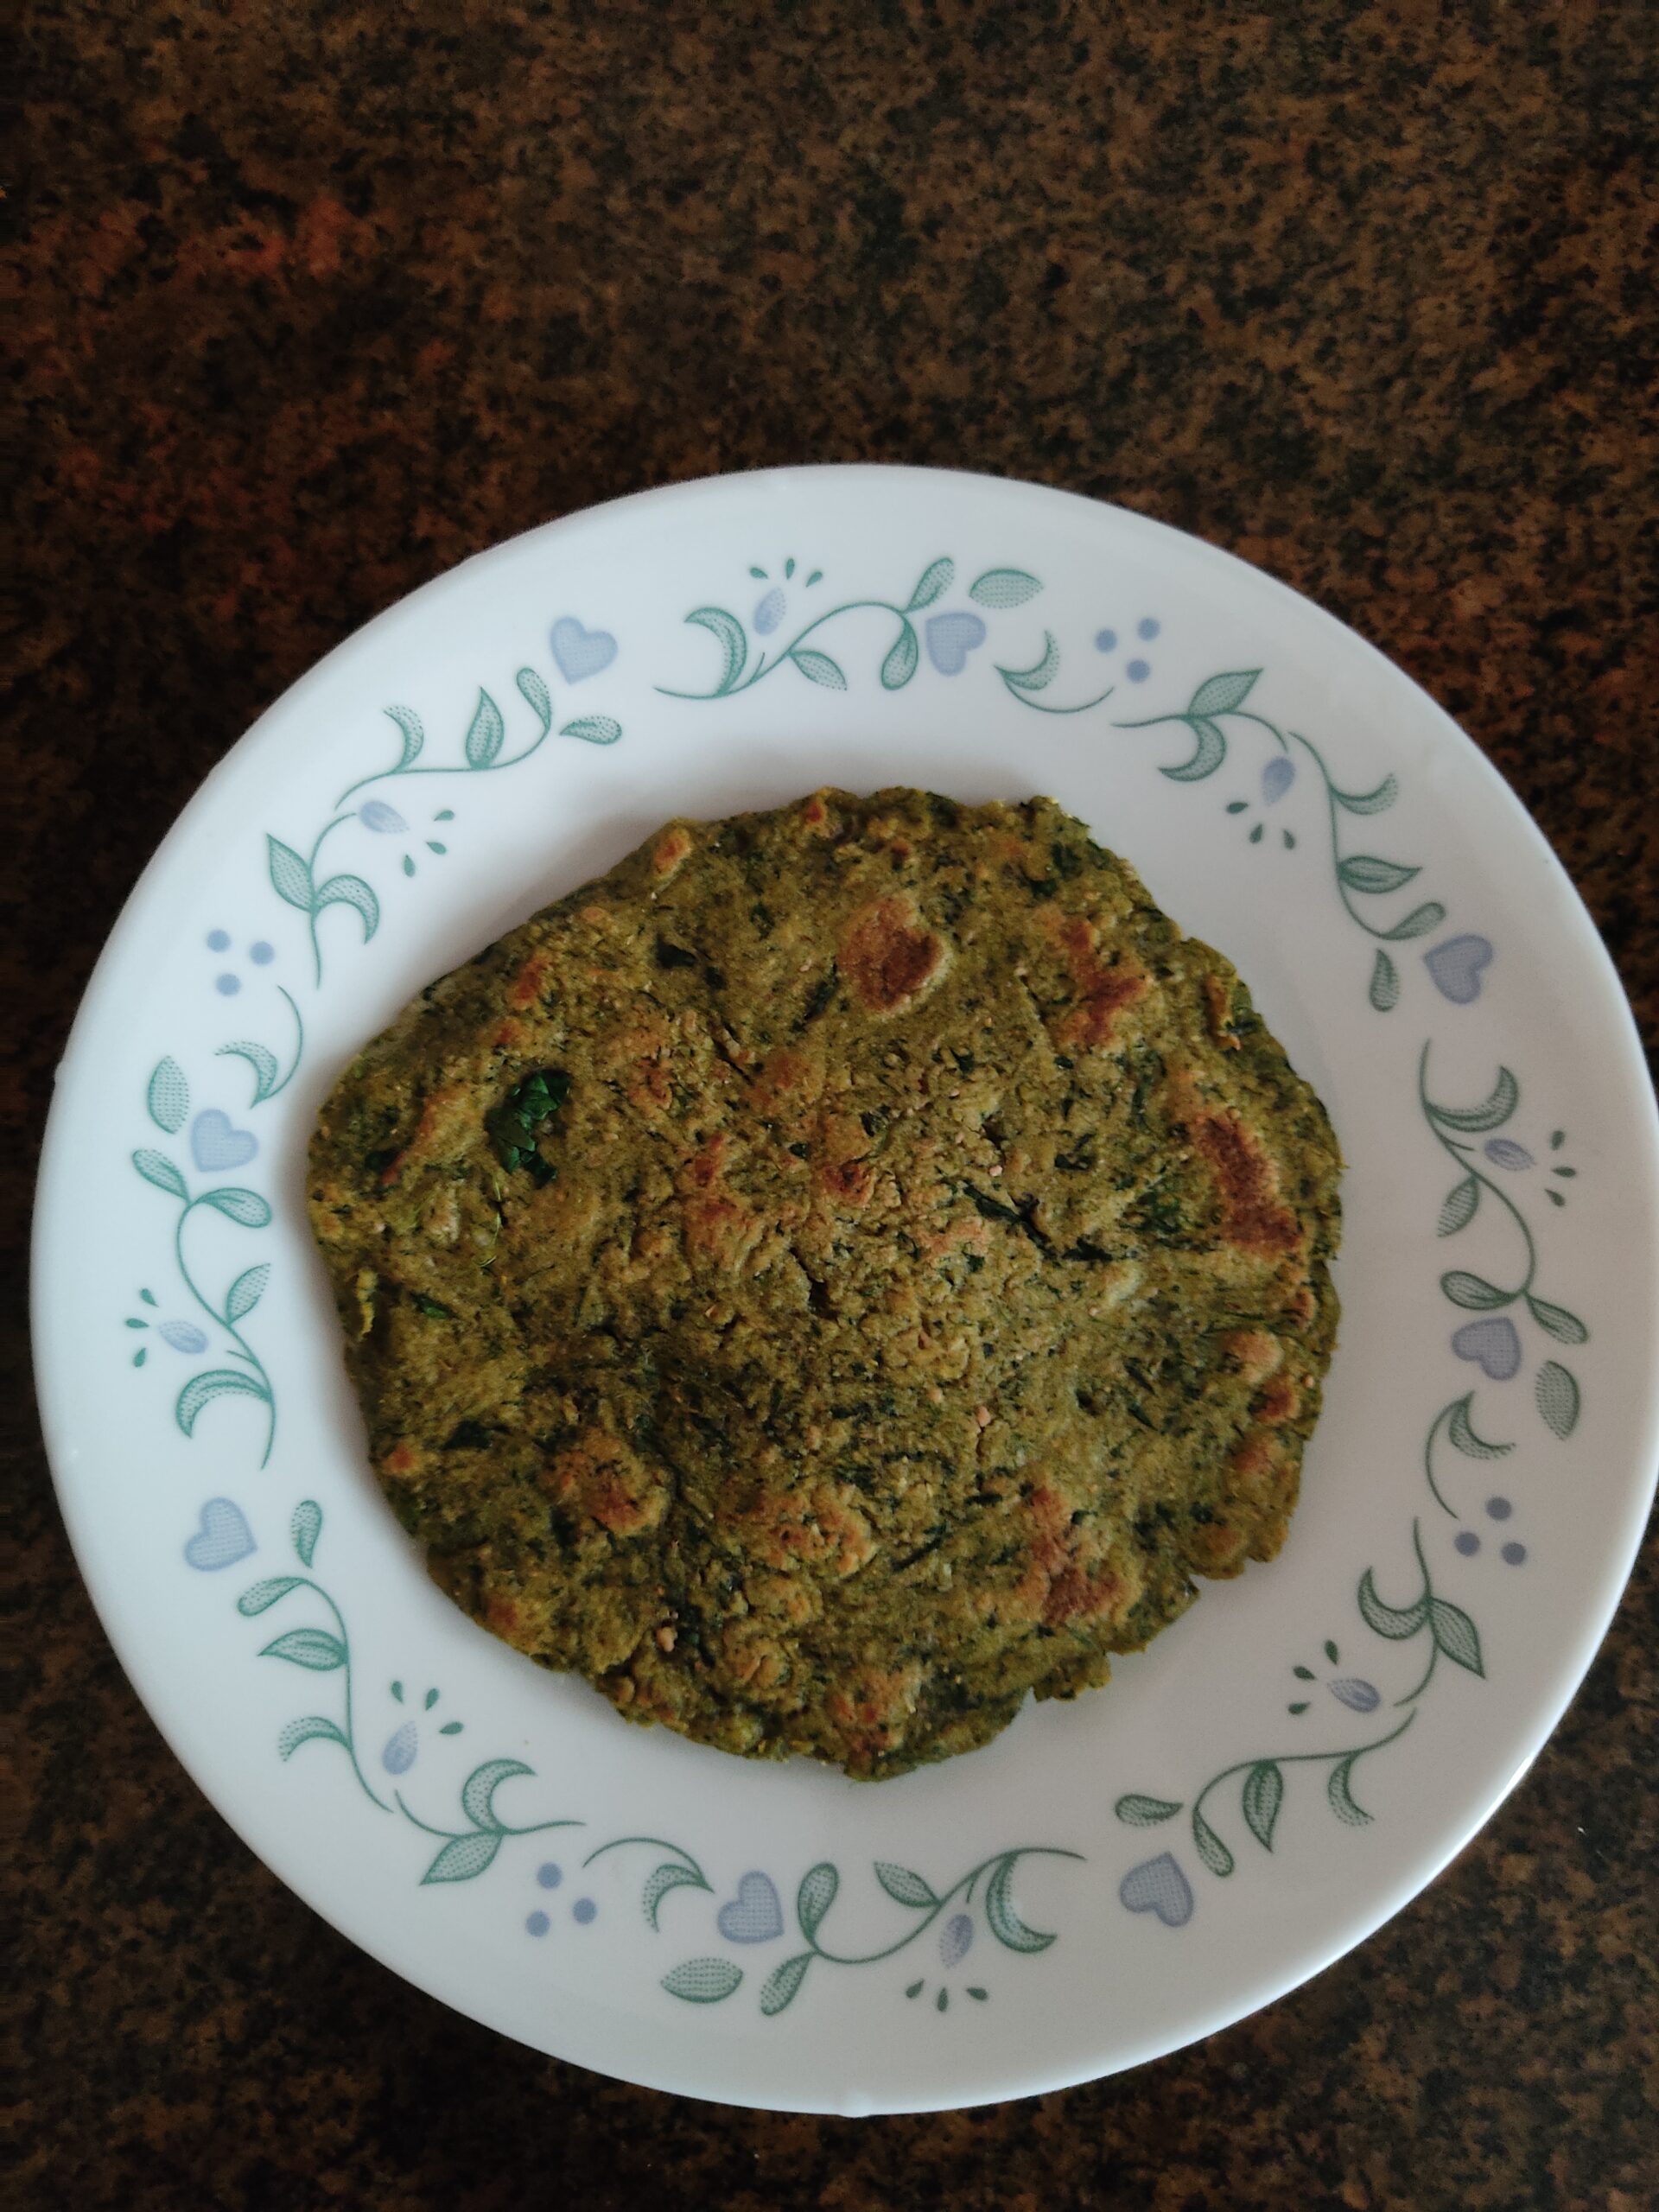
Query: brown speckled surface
{"type": "Point", "coordinates": [316, 302]}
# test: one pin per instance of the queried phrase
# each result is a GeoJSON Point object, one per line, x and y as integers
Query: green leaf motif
{"type": "Point", "coordinates": [1339, 1790]}
{"type": "Point", "coordinates": [733, 642]}
{"type": "Point", "coordinates": [1461, 1431]}
{"type": "Point", "coordinates": [412, 733]}
{"type": "Point", "coordinates": [1491, 1114]}
{"type": "Point", "coordinates": [903, 1886]}
{"type": "Point", "coordinates": [665, 1877]}
{"type": "Point", "coordinates": [313, 1648]}
{"type": "Point", "coordinates": [246, 1291]}
{"type": "Point", "coordinates": [351, 891]}
{"type": "Point", "coordinates": [1006, 1925]}
{"type": "Point", "coordinates": [1374, 802]}
{"type": "Point", "coordinates": [1263, 1794]}
{"type": "Point", "coordinates": [1556, 1321]}
{"type": "Point", "coordinates": [246, 1208]}
{"type": "Point", "coordinates": [1458, 1209]}
{"type": "Point", "coordinates": [264, 1595]}
{"type": "Point", "coordinates": [261, 1059]}
{"type": "Point", "coordinates": [1211, 1848]}
{"type": "Point", "coordinates": [1455, 1634]}
{"type": "Point", "coordinates": [1473, 1292]}
{"type": "Point", "coordinates": [200, 1390]}
{"type": "Point", "coordinates": [816, 1896]}
{"type": "Point", "coordinates": [464, 1857]}
{"type": "Point", "coordinates": [1385, 984]}
{"type": "Point", "coordinates": [1396, 1622]}
{"type": "Point", "coordinates": [1000, 587]}
{"type": "Point", "coordinates": [1221, 694]}
{"type": "Point", "coordinates": [537, 696]}
{"type": "Point", "coordinates": [594, 729]}
{"type": "Point", "coordinates": [703, 1981]}
{"type": "Point", "coordinates": [780, 1985]}
{"type": "Point", "coordinates": [1556, 1391]}
{"type": "Point", "coordinates": [1146, 1812]}
{"type": "Point", "coordinates": [902, 661]}
{"type": "Point", "coordinates": [1040, 674]}
{"type": "Point", "coordinates": [156, 1168]}
{"type": "Point", "coordinates": [1364, 872]}
{"type": "Point", "coordinates": [313, 1729]}
{"type": "Point", "coordinates": [1418, 922]}
{"type": "Point", "coordinates": [290, 878]}
{"type": "Point", "coordinates": [486, 734]}
{"type": "Point", "coordinates": [481, 1786]}
{"type": "Point", "coordinates": [168, 1096]}
{"type": "Point", "coordinates": [305, 1528]}
{"type": "Point", "coordinates": [818, 668]}
{"type": "Point", "coordinates": [933, 583]}
{"type": "Point", "coordinates": [1206, 757]}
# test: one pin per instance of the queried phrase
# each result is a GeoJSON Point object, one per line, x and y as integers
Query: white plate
{"type": "Point", "coordinates": [1285, 1767]}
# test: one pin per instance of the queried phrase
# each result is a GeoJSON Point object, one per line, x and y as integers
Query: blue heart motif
{"type": "Point", "coordinates": [1494, 1346]}
{"type": "Point", "coordinates": [581, 653]}
{"type": "Point", "coordinates": [1158, 1885]}
{"type": "Point", "coordinates": [223, 1538]}
{"type": "Point", "coordinates": [216, 1142]}
{"type": "Point", "coordinates": [1457, 967]}
{"type": "Point", "coordinates": [950, 638]}
{"type": "Point", "coordinates": [753, 1916]}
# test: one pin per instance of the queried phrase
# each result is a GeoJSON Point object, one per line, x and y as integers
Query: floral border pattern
{"type": "Point", "coordinates": [298, 880]}
{"type": "Point", "coordinates": [947, 637]}
{"type": "Point", "coordinates": [1479, 1141]}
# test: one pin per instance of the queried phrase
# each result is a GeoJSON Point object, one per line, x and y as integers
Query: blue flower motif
{"type": "Point", "coordinates": [183, 1336]}
{"type": "Point", "coordinates": [400, 1754]}
{"type": "Point", "coordinates": [1359, 1696]}
{"type": "Point", "coordinates": [1503, 1151]}
{"type": "Point", "coordinates": [955, 1938]}
{"type": "Point", "coordinates": [386, 821]}
{"type": "Point", "coordinates": [769, 612]}
{"type": "Point", "coordinates": [1277, 777]}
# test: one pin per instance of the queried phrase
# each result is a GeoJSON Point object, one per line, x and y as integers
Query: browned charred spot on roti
{"type": "Point", "coordinates": [526, 987]}
{"type": "Point", "coordinates": [1218, 1012]}
{"type": "Point", "coordinates": [673, 849]}
{"type": "Point", "coordinates": [1254, 1218]}
{"type": "Point", "coordinates": [598, 1478]}
{"type": "Point", "coordinates": [1104, 987]}
{"type": "Point", "coordinates": [888, 955]}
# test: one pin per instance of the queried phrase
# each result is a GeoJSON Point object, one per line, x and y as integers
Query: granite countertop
{"type": "Point", "coordinates": [313, 303]}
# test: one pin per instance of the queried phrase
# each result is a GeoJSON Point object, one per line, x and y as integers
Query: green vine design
{"type": "Point", "coordinates": [679, 1871]}
{"type": "Point", "coordinates": [298, 880]}
{"type": "Point", "coordinates": [268, 1075]}
{"type": "Point", "coordinates": [1456, 1423]}
{"type": "Point", "coordinates": [321, 1651]}
{"type": "Point", "coordinates": [1452, 1635]}
{"type": "Point", "coordinates": [168, 1100]}
{"type": "Point", "coordinates": [710, 1980]}
{"type": "Point", "coordinates": [1555, 1388]}
{"type": "Point", "coordinates": [464, 1853]}
{"type": "Point", "coordinates": [1357, 875]}
{"type": "Point", "coordinates": [744, 663]}
{"type": "Point", "coordinates": [296, 877]}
